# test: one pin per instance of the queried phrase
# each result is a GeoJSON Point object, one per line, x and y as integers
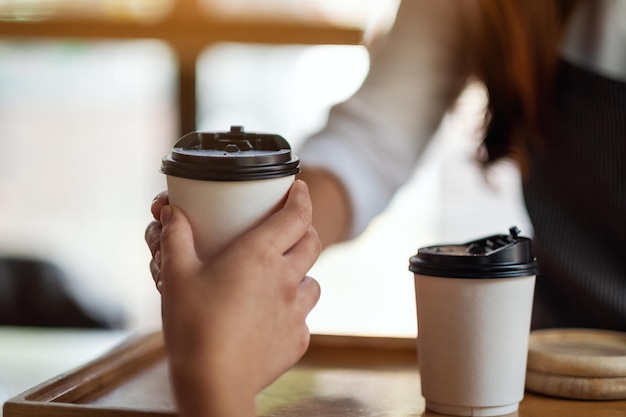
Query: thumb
{"type": "Point", "coordinates": [178, 254]}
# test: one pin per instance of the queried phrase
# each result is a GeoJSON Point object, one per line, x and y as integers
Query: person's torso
{"type": "Point", "coordinates": [575, 188]}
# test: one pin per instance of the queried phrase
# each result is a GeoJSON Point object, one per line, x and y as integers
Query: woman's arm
{"type": "Point", "coordinates": [372, 141]}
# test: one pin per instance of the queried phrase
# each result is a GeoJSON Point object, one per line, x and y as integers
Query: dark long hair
{"type": "Point", "coordinates": [516, 45]}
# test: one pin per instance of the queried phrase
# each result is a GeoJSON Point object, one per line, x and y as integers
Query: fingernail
{"type": "Point", "coordinates": [166, 214]}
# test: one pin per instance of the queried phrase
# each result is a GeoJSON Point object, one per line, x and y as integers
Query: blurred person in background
{"type": "Point", "coordinates": [555, 75]}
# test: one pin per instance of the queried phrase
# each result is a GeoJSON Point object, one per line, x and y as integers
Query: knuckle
{"type": "Point", "coordinates": [312, 296]}
{"type": "Point", "coordinates": [303, 339]}
{"type": "Point", "coordinates": [317, 291]}
{"type": "Point", "coordinates": [316, 242]}
{"type": "Point", "coordinates": [153, 235]}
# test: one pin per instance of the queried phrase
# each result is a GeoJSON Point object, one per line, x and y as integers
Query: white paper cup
{"type": "Point", "coordinates": [220, 211]}
{"type": "Point", "coordinates": [473, 330]}
{"type": "Point", "coordinates": [228, 182]}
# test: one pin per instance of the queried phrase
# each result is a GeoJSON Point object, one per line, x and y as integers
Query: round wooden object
{"type": "Point", "coordinates": [585, 364]}
{"type": "Point", "coordinates": [576, 387]}
{"type": "Point", "coordinates": [578, 352]}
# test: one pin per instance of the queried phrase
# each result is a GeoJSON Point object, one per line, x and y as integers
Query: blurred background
{"type": "Point", "coordinates": [94, 92]}
{"type": "Point", "coordinates": [92, 95]}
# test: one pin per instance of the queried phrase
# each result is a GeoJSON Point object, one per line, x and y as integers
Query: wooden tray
{"type": "Point", "coordinates": [339, 376]}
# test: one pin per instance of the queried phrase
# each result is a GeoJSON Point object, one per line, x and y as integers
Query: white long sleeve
{"type": "Point", "coordinates": [373, 140]}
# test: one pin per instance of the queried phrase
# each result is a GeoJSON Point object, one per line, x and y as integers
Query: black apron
{"type": "Point", "coordinates": [575, 193]}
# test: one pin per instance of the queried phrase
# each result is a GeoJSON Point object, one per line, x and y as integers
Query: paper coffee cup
{"type": "Point", "coordinates": [228, 182]}
{"type": "Point", "coordinates": [474, 304]}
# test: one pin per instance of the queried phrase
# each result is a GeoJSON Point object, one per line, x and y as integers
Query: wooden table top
{"type": "Point", "coordinates": [339, 376]}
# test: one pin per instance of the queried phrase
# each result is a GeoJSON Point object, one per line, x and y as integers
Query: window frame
{"type": "Point", "coordinates": [189, 28]}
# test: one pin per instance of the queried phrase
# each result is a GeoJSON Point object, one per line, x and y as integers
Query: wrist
{"type": "Point", "coordinates": [203, 391]}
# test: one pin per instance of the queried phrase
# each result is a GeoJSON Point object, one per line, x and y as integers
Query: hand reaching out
{"type": "Point", "coordinates": [232, 325]}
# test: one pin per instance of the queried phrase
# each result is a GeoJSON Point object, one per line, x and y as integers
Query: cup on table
{"type": "Point", "coordinates": [228, 182]}
{"type": "Point", "coordinates": [474, 303]}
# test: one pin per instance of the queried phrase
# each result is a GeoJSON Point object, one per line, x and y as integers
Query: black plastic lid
{"type": "Point", "coordinates": [497, 256]}
{"type": "Point", "coordinates": [230, 156]}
